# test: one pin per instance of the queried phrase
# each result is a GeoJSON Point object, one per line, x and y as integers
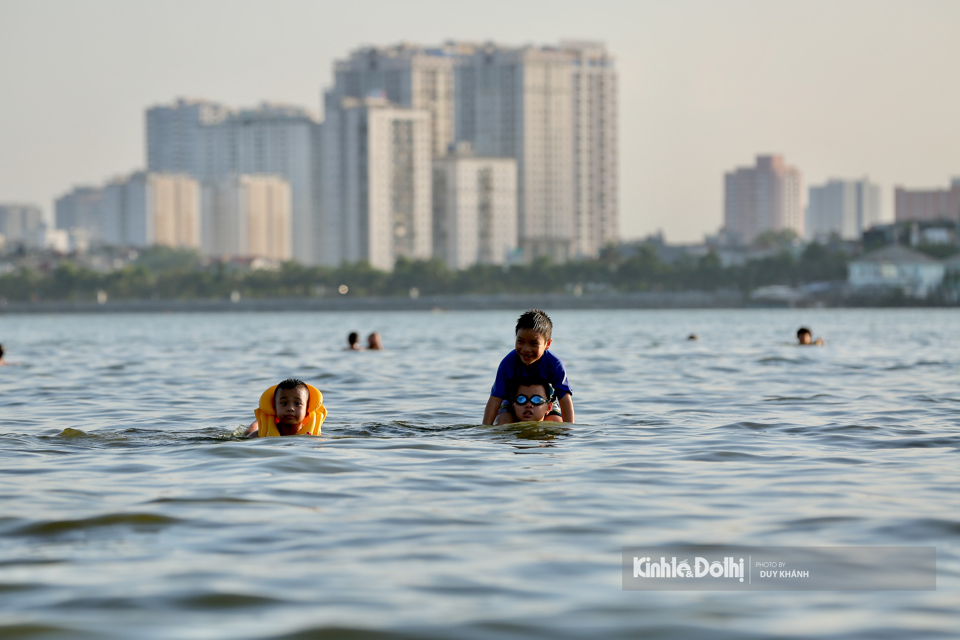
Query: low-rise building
{"type": "Point", "coordinates": [896, 267]}
{"type": "Point", "coordinates": [47, 239]}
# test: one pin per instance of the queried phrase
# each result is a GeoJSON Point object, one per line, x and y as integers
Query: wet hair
{"type": "Point", "coordinates": [537, 320]}
{"type": "Point", "coordinates": [802, 331]}
{"type": "Point", "coordinates": [292, 383]}
{"type": "Point", "coordinates": [1, 351]}
{"type": "Point", "coordinates": [352, 338]}
{"type": "Point", "coordinates": [530, 381]}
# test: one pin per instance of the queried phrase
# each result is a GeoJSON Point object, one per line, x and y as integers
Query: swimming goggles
{"type": "Point", "coordinates": [534, 400]}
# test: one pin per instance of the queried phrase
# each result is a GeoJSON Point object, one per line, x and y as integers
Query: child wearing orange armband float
{"type": "Point", "coordinates": [291, 408]}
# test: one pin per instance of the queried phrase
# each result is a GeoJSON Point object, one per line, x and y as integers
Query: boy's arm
{"type": "Point", "coordinates": [566, 408]}
{"type": "Point", "coordinates": [490, 411]}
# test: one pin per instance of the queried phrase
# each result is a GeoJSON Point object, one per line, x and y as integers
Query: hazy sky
{"type": "Point", "coordinates": [842, 88]}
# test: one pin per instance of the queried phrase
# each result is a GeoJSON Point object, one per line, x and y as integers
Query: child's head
{"type": "Point", "coordinates": [534, 331]}
{"type": "Point", "coordinates": [353, 338]}
{"type": "Point", "coordinates": [290, 401]}
{"type": "Point", "coordinates": [532, 399]}
{"type": "Point", "coordinates": [804, 336]}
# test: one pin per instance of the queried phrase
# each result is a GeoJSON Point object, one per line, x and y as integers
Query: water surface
{"type": "Point", "coordinates": [127, 509]}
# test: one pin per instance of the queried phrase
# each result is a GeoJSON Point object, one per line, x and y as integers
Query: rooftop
{"type": "Point", "coordinates": [896, 253]}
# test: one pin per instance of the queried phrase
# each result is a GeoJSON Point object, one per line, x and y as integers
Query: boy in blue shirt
{"type": "Point", "coordinates": [530, 359]}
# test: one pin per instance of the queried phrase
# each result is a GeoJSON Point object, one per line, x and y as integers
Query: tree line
{"type": "Point", "coordinates": [165, 273]}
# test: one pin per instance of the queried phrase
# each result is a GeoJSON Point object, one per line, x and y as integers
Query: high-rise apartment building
{"type": "Point", "coordinates": [173, 134]}
{"type": "Point", "coordinates": [518, 103]}
{"type": "Point", "coordinates": [405, 75]}
{"type": "Point", "coordinates": [474, 208]}
{"type": "Point", "coordinates": [211, 142]}
{"type": "Point", "coordinates": [596, 204]}
{"type": "Point", "coordinates": [928, 204]}
{"type": "Point", "coordinates": [762, 198]}
{"type": "Point", "coordinates": [17, 221]}
{"type": "Point", "coordinates": [247, 215]}
{"type": "Point", "coordinates": [843, 207]}
{"type": "Point", "coordinates": [146, 209]}
{"type": "Point", "coordinates": [377, 182]}
{"type": "Point", "coordinates": [552, 109]}
{"type": "Point", "coordinates": [81, 208]}
{"type": "Point", "coordinates": [278, 140]}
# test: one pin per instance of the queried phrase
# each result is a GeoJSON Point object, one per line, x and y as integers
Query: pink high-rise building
{"type": "Point", "coordinates": [930, 204]}
{"type": "Point", "coordinates": [762, 198]}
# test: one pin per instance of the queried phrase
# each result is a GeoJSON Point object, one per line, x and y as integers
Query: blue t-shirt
{"type": "Point", "coordinates": [549, 367]}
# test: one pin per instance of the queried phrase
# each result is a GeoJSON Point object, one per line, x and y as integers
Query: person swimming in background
{"type": "Point", "coordinates": [531, 400]}
{"type": "Point", "coordinates": [291, 408]}
{"type": "Point", "coordinates": [530, 358]}
{"type": "Point", "coordinates": [805, 338]}
{"type": "Point", "coordinates": [374, 342]}
{"type": "Point", "coordinates": [4, 363]}
{"type": "Point", "coordinates": [353, 342]}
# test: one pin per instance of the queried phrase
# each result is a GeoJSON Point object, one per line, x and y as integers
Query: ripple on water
{"type": "Point", "coordinates": [140, 522]}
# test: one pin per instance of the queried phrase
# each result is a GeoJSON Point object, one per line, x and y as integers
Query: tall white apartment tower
{"type": "Point", "coordinates": [404, 74]}
{"type": "Point", "coordinates": [596, 206]}
{"type": "Point", "coordinates": [377, 180]}
{"type": "Point", "coordinates": [518, 103]}
{"type": "Point", "coordinates": [173, 134]}
{"type": "Point", "coordinates": [844, 207]}
{"type": "Point", "coordinates": [474, 208]}
{"type": "Point", "coordinates": [765, 197]}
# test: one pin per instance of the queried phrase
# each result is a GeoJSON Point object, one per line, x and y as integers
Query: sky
{"type": "Point", "coordinates": [841, 88]}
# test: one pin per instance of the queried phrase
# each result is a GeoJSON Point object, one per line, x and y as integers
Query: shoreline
{"type": "Point", "coordinates": [467, 302]}
{"type": "Point", "coordinates": [473, 302]}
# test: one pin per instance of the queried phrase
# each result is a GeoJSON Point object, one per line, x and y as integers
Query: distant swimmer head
{"type": "Point", "coordinates": [532, 399]}
{"type": "Point", "coordinates": [804, 336]}
{"type": "Point", "coordinates": [534, 331]}
{"type": "Point", "coordinates": [1, 352]}
{"type": "Point", "coordinates": [692, 336]}
{"type": "Point", "coordinates": [374, 341]}
{"type": "Point", "coordinates": [353, 340]}
{"type": "Point", "coordinates": [290, 402]}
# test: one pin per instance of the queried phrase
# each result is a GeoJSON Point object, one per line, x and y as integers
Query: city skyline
{"type": "Point", "coordinates": [874, 97]}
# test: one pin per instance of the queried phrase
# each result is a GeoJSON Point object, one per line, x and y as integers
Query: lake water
{"type": "Point", "coordinates": [127, 509]}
